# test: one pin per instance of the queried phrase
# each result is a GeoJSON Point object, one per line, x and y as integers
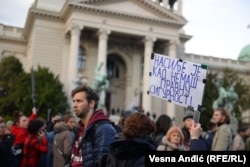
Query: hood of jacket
{"type": "Point", "coordinates": [60, 127]}
{"type": "Point", "coordinates": [124, 149]}
{"type": "Point", "coordinates": [98, 115]}
{"type": "Point", "coordinates": [171, 145]}
{"type": "Point", "coordinates": [19, 133]}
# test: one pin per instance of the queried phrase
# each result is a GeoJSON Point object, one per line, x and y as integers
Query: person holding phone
{"type": "Point", "coordinates": [19, 130]}
{"type": "Point", "coordinates": [35, 144]}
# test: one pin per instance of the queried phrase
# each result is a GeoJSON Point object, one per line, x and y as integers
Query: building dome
{"type": "Point", "coordinates": [245, 54]}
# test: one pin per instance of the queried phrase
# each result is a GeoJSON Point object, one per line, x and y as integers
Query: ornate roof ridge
{"type": "Point", "coordinates": [112, 12]}
{"type": "Point", "coordinates": [148, 3]}
{"type": "Point", "coordinates": [39, 12]}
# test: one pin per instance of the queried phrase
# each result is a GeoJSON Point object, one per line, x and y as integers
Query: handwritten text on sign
{"type": "Point", "coordinates": [176, 80]}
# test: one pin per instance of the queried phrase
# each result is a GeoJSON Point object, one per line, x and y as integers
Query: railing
{"type": "Point", "coordinates": [6, 30]}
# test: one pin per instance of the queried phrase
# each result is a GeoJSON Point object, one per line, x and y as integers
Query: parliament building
{"type": "Point", "coordinates": [72, 37]}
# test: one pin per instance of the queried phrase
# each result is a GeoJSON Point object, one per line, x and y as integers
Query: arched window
{"type": "Point", "coordinates": [81, 58]}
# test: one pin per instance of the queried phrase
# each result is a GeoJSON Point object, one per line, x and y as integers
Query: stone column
{"type": "Point", "coordinates": [172, 53]}
{"type": "Point", "coordinates": [135, 74]}
{"type": "Point", "coordinates": [73, 55]}
{"type": "Point", "coordinates": [128, 93]}
{"type": "Point", "coordinates": [146, 99]}
{"type": "Point", "coordinates": [102, 58]}
{"type": "Point", "coordinates": [102, 48]}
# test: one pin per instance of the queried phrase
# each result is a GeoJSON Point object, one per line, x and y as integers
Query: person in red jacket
{"type": "Point", "coordinates": [19, 130]}
{"type": "Point", "coordinates": [35, 144]}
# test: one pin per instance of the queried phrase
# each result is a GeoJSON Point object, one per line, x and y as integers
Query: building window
{"type": "Point", "coordinates": [142, 66]}
{"type": "Point", "coordinates": [81, 58]}
{"type": "Point", "coordinates": [113, 70]}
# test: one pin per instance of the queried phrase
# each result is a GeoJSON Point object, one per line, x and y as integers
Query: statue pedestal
{"type": "Point", "coordinates": [234, 124]}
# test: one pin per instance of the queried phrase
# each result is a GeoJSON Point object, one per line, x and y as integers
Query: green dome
{"type": "Point", "coordinates": [245, 54]}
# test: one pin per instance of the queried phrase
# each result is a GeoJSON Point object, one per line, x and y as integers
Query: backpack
{"type": "Point", "coordinates": [95, 126]}
{"type": "Point", "coordinates": [157, 139]}
{"type": "Point", "coordinates": [18, 153]}
{"type": "Point", "coordinates": [107, 160]}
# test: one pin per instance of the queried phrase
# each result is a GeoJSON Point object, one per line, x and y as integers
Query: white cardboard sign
{"type": "Point", "coordinates": [178, 81]}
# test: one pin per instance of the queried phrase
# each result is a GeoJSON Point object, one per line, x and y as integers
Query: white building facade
{"type": "Point", "coordinates": [72, 37]}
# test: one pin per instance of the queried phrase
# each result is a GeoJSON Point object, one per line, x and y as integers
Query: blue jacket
{"type": "Point", "coordinates": [96, 139]}
{"type": "Point", "coordinates": [93, 150]}
{"type": "Point", "coordinates": [208, 139]}
{"type": "Point", "coordinates": [46, 160]}
{"type": "Point", "coordinates": [197, 145]}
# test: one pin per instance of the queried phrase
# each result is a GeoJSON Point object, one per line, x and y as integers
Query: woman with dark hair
{"type": "Point", "coordinates": [35, 144]}
{"type": "Point", "coordinates": [19, 130]}
{"type": "Point", "coordinates": [129, 149]}
{"type": "Point", "coordinates": [20, 124]}
{"type": "Point", "coordinates": [163, 124]}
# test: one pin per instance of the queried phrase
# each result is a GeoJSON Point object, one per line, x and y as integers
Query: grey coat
{"type": "Point", "coordinates": [63, 139]}
{"type": "Point", "coordinates": [222, 140]}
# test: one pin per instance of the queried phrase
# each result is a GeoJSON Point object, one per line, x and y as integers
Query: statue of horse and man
{"type": "Point", "coordinates": [226, 98]}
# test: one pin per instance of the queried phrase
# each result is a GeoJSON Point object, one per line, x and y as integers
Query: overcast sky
{"type": "Point", "coordinates": [219, 27]}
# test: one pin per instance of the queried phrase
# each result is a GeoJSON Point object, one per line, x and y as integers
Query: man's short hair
{"type": "Point", "coordinates": [90, 94]}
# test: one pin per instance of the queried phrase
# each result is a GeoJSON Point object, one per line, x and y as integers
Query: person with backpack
{"type": "Point", "coordinates": [95, 132]}
{"type": "Point", "coordinates": [63, 140]}
{"type": "Point", "coordinates": [128, 150]}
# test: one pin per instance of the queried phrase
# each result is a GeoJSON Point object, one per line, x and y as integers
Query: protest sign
{"type": "Point", "coordinates": [178, 81]}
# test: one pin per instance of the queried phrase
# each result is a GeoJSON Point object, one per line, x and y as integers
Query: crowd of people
{"type": "Point", "coordinates": [96, 141]}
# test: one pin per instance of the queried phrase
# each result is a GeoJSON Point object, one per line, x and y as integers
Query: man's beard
{"type": "Point", "coordinates": [84, 113]}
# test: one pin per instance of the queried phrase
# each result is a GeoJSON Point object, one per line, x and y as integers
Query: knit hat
{"type": "Point", "coordinates": [188, 114]}
{"type": "Point", "coordinates": [241, 129]}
